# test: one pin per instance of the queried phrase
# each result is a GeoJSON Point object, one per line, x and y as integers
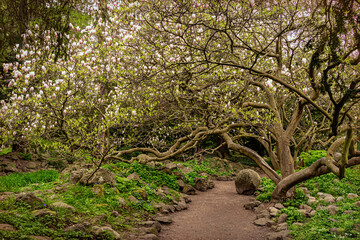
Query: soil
{"type": "Point", "coordinates": [217, 214]}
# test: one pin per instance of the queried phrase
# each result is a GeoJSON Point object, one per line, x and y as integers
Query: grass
{"type": "Point", "coordinates": [14, 182]}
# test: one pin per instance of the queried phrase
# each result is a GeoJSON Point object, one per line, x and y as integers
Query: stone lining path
{"type": "Point", "coordinates": [217, 214]}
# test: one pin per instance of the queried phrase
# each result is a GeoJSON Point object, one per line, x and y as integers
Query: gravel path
{"type": "Point", "coordinates": [217, 214]}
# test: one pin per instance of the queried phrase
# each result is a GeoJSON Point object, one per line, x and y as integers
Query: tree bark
{"type": "Point", "coordinates": [316, 169]}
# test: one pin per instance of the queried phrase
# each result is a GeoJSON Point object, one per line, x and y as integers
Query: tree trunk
{"type": "Point", "coordinates": [316, 169]}
{"type": "Point", "coordinates": [285, 157]}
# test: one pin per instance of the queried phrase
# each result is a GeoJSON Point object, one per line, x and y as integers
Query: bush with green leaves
{"type": "Point", "coordinates": [310, 157]}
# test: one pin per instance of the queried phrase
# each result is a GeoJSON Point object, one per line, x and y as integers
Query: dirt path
{"type": "Point", "coordinates": [217, 214]}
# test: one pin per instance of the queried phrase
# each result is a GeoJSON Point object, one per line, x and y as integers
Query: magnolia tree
{"type": "Point", "coordinates": [284, 73]}
{"type": "Point", "coordinates": [145, 72]}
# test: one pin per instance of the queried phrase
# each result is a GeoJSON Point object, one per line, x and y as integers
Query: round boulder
{"type": "Point", "coordinates": [247, 181]}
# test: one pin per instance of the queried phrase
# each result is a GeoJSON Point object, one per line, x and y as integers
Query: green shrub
{"type": "Point", "coordinates": [310, 157]}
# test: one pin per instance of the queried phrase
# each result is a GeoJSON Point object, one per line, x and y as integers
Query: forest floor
{"type": "Point", "coordinates": [217, 214]}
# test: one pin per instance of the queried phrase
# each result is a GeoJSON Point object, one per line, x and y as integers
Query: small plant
{"type": "Point", "coordinates": [294, 215]}
{"type": "Point", "coordinates": [268, 187]}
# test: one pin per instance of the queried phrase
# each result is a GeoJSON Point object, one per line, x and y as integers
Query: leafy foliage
{"type": "Point", "coordinates": [310, 157]}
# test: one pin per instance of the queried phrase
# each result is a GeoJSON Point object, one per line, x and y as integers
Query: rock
{"type": "Point", "coordinates": [7, 227]}
{"type": "Point", "coordinates": [79, 227]}
{"type": "Point", "coordinates": [11, 169]}
{"type": "Point", "coordinates": [303, 212]}
{"type": "Point", "coordinates": [167, 208]}
{"type": "Point", "coordinates": [164, 219]}
{"type": "Point", "coordinates": [339, 199]}
{"type": "Point", "coordinates": [171, 166]}
{"type": "Point", "coordinates": [280, 227]}
{"type": "Point", "coordinates": [133, 199]}
{"type": "Point", "coordinates": [282, 218]}
{"type": "Point", "coordinates": [252, 205]}
{"type": "Point", "coordinates": [306, 191]}
{"type": "Point", "coordinates": [148, 230]}
{"type": "Point", "coordinates": [312, 213]}
{"type": "Point", "coordinates": [182, 205]}
{"type": "Point", "coordinates": [179, 175]}
{"type": "Point", "coordinates": [100, 230]}
{"type": "Point", "coordinates": [186, 170]}
{"type": "Point", "coordinates": [263, 214]}
{"type": "Point", "coordinates": [186, 198]}
{"type": "Point", "coordinates": [31, 165]}
{"type": "Point", "coordinates": [134, 176]}
{"type": "Point", "coordinates": [166, 190]}
{"type": "Point", "coordinates": [30, 199]}
{"type": "Point", "coordinates": [76, 175]}
{"type": "Point", "coordinates": [352, 195]}
{"type": "Point", "coordinates": [349, 212]}
{"type": "Point", "coordinates": [274, 211]}
{"type": "Point", "coordinates": [307, 208]}
{"type": "Point", "coordinates": [247, 181]}
{"type": "Point", "coordinates": [122, 202]}
{"type": "Point", "coordinates": [332, 209]}
{"type": "Point", "coordinates": [150, 237]}
{"type": "Point", "coordinates": [264, 222]}
{"type": "Point", "coordinates": [150, 164]}
{"type": "Point", "coordinates": [278, 235]}
{"type": "Point", "coordinates": [101, 176]}
{"type": "Point", "coordinates": [115, 213]}
{"type": "Point", "coordinates": [142, 194]}
{"type": "Point", "coordinates": [188, 189]}
{"type": "Point", "coordinates": [320, 207]}
{"type": "Point", "coordinates": [150, 224]}
{"type": "Point", "coordinates": [43, 212]}
{"type": "Point", "coordinates": [328, 198]}
{"type": "Point", "coordinates": [98, 190]}
{"type": "Point", "coordinates": [259, 208]}
{"type": "Point", "coordinates": [312, 201]}
{"type": "Point", "coordinates": [181, 184]}
{"type": "Point", "coordinates": [279, 206]}
{"type": "Point", "coordinates": [63, 206]}
{"type": "Point", "coordinates": [320, 194]}
{"type": "Point", "coordinates": [201, 184]}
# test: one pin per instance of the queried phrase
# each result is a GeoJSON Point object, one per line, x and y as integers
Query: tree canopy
{"type": "Point", "coordinates": [162, 76]}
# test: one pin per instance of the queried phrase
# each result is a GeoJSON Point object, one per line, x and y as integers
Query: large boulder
{"type": "Point", "coordinates": [86, 177]}
{"type": "Point", "coordinates": [30, 199]}
{"type": "Point", "coordinates": [247, 181]}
